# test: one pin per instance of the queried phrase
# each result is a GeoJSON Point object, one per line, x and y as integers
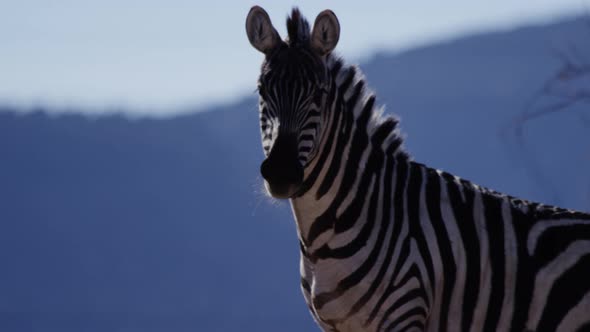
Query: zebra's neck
{"type": "Point", "coordinates": [355, 139]}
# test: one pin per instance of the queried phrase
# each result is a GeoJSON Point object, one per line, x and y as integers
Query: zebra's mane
{"type": "Point", "coordinates": [297, 29]}
{"type": "Point", "coordinates": [379, 123]}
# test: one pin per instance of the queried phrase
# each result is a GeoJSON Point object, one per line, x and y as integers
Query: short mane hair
{"type": "Point", "coordinates": [297, 29]}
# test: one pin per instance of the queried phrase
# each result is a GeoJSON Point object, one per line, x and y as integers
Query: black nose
{"type": "Point", "coordinates": [281, 171]}
{"type": "Point", "coordinates": [282, 166]}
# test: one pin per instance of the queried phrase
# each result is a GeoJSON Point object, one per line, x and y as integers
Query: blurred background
{"type": "Point", "coordinates": [130, 197]}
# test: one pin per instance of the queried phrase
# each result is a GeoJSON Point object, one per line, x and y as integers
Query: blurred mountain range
{"type": "Point", "coordinates": [116, 224]}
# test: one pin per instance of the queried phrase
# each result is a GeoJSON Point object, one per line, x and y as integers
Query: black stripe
{"type": "Point", "coordinates": [306, 137]}
{"type": "Point", "coordinates": [495, 229]}
{"type": "Point", "coordinates": [310, 125]}
{"type": "Point", "coordinates": [463, 212]}
{"type": "Point", "coordinates": [304, 149]}
{"type": "Point", "coordinates": [433, 205]}
{"type": "Point", "coordinates": [395, 144]}
{"type": "Point", "coordinates": [413, 196]}
{"type": "Point", "coordinates": [584, 328]}
{"type": "Point", "coordinates": [385, 128]}
{"type": "Point", "coordinates": [526, 268]}
{"type": "Point", "coordinates": [566, 292]}
{"type": "Point", "coordinates": [554, 240]}
{"type": "Point", "coordinates": [305, 285]}
{"type": "Point", "coordinates": [414, 325]}
{"type": "Point", "coordinates": [302, 249]}
{"type": "Point", "coordinates": [336, 69]}
{"type": "Point", "coordinates": [313, 112]}
{"type": "Point", "coordinates": [417, 311]}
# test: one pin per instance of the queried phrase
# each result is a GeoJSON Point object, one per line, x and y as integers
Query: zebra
{"type": "Point", "coordinates": [387, 243]}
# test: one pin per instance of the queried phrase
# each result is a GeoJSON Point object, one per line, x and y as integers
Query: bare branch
{"type": "Point", "coordinates": [564, 91]}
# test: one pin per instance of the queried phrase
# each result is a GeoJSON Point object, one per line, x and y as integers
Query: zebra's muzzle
{"type": "Point", "coordinates": [281, 170]}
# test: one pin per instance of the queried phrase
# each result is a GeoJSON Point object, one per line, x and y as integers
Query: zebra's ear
{"type": "Point", "coordinates": [325, 33]}
{"type": "Point", "coordinates": [262, 35]}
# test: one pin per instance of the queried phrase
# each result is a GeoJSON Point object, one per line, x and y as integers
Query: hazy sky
{"type": "Point", "coordinates": [161, 56]}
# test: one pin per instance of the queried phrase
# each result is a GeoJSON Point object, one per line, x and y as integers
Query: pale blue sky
{"type": "Point", "coordinates": [158, 57]}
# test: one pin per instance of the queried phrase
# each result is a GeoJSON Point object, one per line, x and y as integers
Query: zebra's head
{"type": "Point", "coordinates": [293, 86]}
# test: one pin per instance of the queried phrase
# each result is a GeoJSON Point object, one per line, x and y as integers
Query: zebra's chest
{"type": "Point", "coordinates": [334, 306]}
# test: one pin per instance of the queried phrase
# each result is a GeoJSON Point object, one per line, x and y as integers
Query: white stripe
{"type": "Point", "coordinates": [510, 265]}
{"type": "Point", "coordinates": [481, 306]}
